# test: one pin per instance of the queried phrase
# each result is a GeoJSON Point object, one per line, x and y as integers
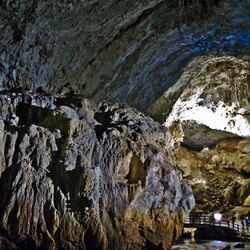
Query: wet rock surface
{"type": "Point", "coordinates": [76, 174]}
{"type": "Point", "coordinates": [213, 91]}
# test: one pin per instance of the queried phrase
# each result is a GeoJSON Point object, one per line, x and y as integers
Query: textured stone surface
{"type": "Point", "coordinates": [127, 51]}
{"type": "Point", "coordinates": [219, 176]}
{"type": "Point", "coordinates": [210, 122]}
{"type": "Point", "coordinates": [81, 175]}
{"type": "Point", "coordinates": [77, 174]}
{"type": "Point", "coordinates": [197, 136]}
{"type": "Point", "coordinates": [209, 84]}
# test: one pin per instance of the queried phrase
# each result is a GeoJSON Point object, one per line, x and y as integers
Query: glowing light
{"type": "Point", "coordinates": [203, 181]}
{"type": "Point", "coordinates": [217, 216]}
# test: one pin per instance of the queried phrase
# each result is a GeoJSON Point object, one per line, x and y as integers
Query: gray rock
{"type": "Point", "coordinates": [131, 54]}
{"type": "Point", "coordinates": [94, 177]}
{"type": "Point", "coordinates": [199, 136]}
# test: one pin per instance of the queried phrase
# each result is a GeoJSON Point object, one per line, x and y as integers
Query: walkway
{"type": "Point", "coordinates": [205, 220]}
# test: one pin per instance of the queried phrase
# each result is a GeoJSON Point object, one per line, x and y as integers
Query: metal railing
{"type": "Point", "coordinates": [239, 226]}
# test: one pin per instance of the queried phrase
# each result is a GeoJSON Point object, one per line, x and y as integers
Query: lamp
{"type": "Point", "coordinates": [217, 216]}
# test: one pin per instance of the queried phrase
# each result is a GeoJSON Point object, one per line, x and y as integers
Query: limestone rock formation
{"type": "Point", "coordinates": [76, 174]}
{"type": "Point", "coordinates": [211, 110]}
{"type": "Point", "coordinates": [127, 51]}
{"type": "Point", "coordinates": [219, 176]}
{"type": "Point", "coordinates": [81, 174]}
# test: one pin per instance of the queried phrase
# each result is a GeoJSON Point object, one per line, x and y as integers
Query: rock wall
{"type": "Point", "coordinates": [211, 126]}
{"type": "Point", "coordinates": [76, 174]}
{"type": "Point", "coordinates": [213, 91]}
{"type": "Point", "coordinates": [80, 174]}
{"type": "Point", "coordinates": [124, 51]}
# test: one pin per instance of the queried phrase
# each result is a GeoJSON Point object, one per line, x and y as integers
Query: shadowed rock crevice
{"type": "Point", "coordinates": [137, 171]}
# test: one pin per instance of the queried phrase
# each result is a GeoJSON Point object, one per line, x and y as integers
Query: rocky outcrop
{"type": "Point", "coordinates": [210, 124]}
{"type": "Point", "coordinates": [76, 174]}
{"type": "Point", "coordinates": [95, 175]}
{"type": "Point", "coordinates": [197, 136]}
{"type": "Point", "coordinates": [212, 88]}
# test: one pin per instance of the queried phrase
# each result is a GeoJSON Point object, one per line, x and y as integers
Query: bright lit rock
{"type": "Point", "coordinates": [215, 97]}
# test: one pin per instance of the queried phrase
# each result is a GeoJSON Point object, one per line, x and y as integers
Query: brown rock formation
{"type": "Point", "coordinates": [81, 175]}
{"type": "Point", "coordinates": [76, 174]}
{"type": "Point", "coordinates": [211, 111]}
{"type": "Point", "coordinates": [219, 177]}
